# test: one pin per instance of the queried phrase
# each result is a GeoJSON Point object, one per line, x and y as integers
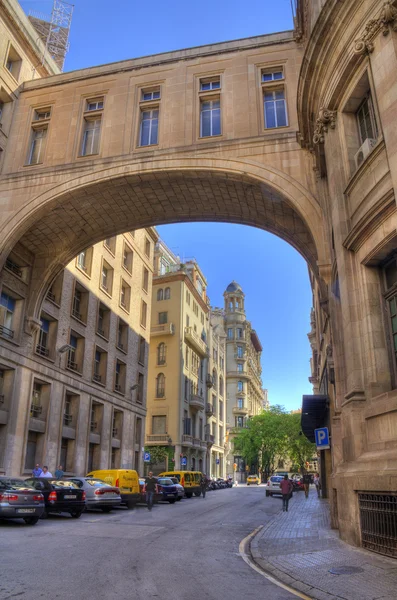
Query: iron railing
{"type": "Point", "coordinates": [72, 365]}
{"type": "Point", "coordinates": [378, 518]}
{"type": "Point", "coordinates": [5, 332]}
{"type": "Point", "coordinates": [13, 267]}
{"type": "Point", "coordinates": [42, 350]}
{"type": "Point", "coordinates": [67, 419]}
{"type": "Point", "coordinates": [35, 410]}
{"type": "Point", "coordinates": [96, 377]}
{"type": "Point", "coordinates": [50, 296]}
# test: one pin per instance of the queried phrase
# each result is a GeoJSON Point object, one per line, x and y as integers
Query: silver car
{"type": "Point", "coordinates": [273, 485]}
{"type": "Point", "coordinates": [179, 488]}
{"type": "Point", "coordinates": [98, 494]}
{"type": "Point", "coordinates": [20, 501]}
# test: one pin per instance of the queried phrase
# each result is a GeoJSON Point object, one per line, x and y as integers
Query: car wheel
{"type": "Point", "coordinates": [106, 509]}
{"type": "Point", "coordinates": [44, 515]}
{"type": "Point", "coordinates": [189, 495]}
{"type": "Point", "coordinates": [198, 494]}
{"type": "Point", "coordinates": [172, 501]}
{"type": "Point", "coordinates": [130, 504]}
{"type": "Point", "coordinates": [267, 493]}
{"type": "Point", "coordinates": [31, 520]}
{"type": "Point", "coordinates": [179, 498]}
{"type": "Point", "coordinates": [76, 514]}
{"type": "Point", "coordinates": [247, 484]}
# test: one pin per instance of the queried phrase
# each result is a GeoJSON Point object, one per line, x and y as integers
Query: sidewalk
{"type": "Point", "coordinates": [299, 548]}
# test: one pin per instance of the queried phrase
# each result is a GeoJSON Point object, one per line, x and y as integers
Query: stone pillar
{"type": "Point", "coordinates": [82, 435]}
{"type": "Point", "coordinates": [54, 426]}
{"type": "Point", "coordinates": [18, 417]}
{"type": "Point", "coordinates": [105, 436]}
{"type": "Point", "coordinates": [178, 450]}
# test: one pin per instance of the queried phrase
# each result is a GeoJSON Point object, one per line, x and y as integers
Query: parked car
{"type": "Point", "coordinates": [60, 496]}
{"type": "Point", "coordinates": [167, 490]}
{"type": "Point", "coordinates": [190, 480]}
{"type": "Point", "coordinates": [98, 494]}
{"type": "Point", "coordinates": [179, 488]}
{"type": "Point", "coordinates": [20, 501]}
{"type": "Point", "coordinates": [126, 480]}
{"type": "Point", "coordinates": [253, 480]}
{"type": "Point", "coordinates": [273, 485]}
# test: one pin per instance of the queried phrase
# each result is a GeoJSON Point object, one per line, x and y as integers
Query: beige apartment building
{"type": "Point", "coordinates": [244, 392]}
{"type": "Point", "coordinates": [177, 380]}
{"type": "Point", "coordinates": [78, 397]}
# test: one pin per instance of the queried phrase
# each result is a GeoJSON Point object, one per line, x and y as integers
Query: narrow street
{"type": "Point", "coordinates": [185, 551]}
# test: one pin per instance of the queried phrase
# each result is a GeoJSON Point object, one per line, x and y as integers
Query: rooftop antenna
{"type": "Point", "coordinates": [54, 30]}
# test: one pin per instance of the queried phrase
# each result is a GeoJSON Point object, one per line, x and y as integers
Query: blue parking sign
{"type": "Point", "coordinates": [183, 461]}
{"type": "Point", "coordinates": [146, 457]}
{"type": "Point", "coordinates": [322, 438]}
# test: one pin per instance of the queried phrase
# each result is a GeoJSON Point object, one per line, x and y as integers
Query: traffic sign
{"type": "Point", "coordinates": [146, 457]}
{"type": "Point", "coordinates": [183, 461]}
{"type": "Point", "coordinates": [217, 461]}
{"type": "Point", "coordinates": [322, 438]}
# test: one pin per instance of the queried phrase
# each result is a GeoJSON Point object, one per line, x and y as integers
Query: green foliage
{"type": "Point", "coordinates": [158, 454]}
{"type": "Point", "coordinates": [273, 435]}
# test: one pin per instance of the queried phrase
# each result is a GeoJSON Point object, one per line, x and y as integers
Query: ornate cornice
{"type": "Point", "coordinates": [326, 118]}
{"type": "Point", "coordinates": [386, 21]}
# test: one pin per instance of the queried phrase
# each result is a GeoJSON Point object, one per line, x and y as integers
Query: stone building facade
{"type": "Point", "coordinates": [292, 132]}
{"type": "Point", "coordinates": [77, 397]}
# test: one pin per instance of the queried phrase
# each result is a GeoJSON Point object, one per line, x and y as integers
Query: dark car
{"type": "Point", "coordinates": [166, 490]}
{"type": "Point", "coordinates": [60, 496]}
{"type": "Point", "coordinates": [20, 501]}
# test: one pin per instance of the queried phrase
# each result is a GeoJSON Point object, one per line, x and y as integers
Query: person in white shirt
{"type": "Point", "coordinates": [45, 472]}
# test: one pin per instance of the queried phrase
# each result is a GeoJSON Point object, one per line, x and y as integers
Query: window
{"type": "Point", "coordinates": [75, 359]}
{"type": "Point", "coordinates": [122, 336]}
{"type": "Point", "coordinates": [240, 386]}
{"type": "Point", "coordinates": [210, 118]}
{"type": "Point", "coordinates": [160, 294]}
{"type": "Point", "coordinates": [240, 352]}
{"type": "Point", "coordinates": [220, 410]}
{"type": "Point", "coordinates": [119, 380]}
{"type": "Point", "coordinates": [143, 313]}
{"type": "Point", "coordinates": [163, 318]}
{"type": "Point", "coordinates": [187, 320]}
{"type": "Point", "coordinates": [141, 381]}
{"type": "Point", "coordinates": [239, 332]}
{"type": "Point", "coordinates": [42, 114]}
{"type": "Point", "coordinates": [274, 75]}
{"type": "Point", "coordinates": [230, 334]}
{"type": "Point", "coordinates": [13, 62]}
{"type": "Point", "coordinates": [80, 302]}
{"type": "Point", "coordinates": [366, 120]}
{"type": "Point", "coordinates": [275, 109]}
{"type": "Point", "coordinates": [390, 284]}
{"type": "Point", "coordinates": [142, 350]}
{"type": "Point", "coordinates": [103, 321]}
{"type": "Point", "coordinates": [160, 385]}
{"type": "Point", "coordinates": [147, 247]}
{"type": "Point", "coordinates": [128, 257]}
{"type": "Point", "coordinates": [221, 386]}
{"type": "Point", "coordinates": [214, 379]}
{"type": "Point", "coordinates": [159, 425]}
{"type": "Point", "coordinates": [210, 84]}
{"type": "Point", "coordinates": [125, 295]}
{"type": "Point", "coordinates": [106, 277]}
{"type": "Point", "coordinates": [100, 366]}
{"type": "Point", "coordinates": [148, 135]}
{"type": "Point", "coordinates": [145, 279]}
{"type": "Point", "coordinates": [7, 310]}
{"type": "Point", "coordinates": [161, 354]}
{"type": "Point", "coordinates": [94, 105]}
{"type": "Point", "coordinates": [187, 358]}
{"type": "Point", "coordinates": [239, 368]}
{"type": "Point", "coordinates": [167, 293]}
{"type": "Point", "coordinates": [91, 135]}
{"type": "Point", "coordinates": [239, 421]}
{"type": "Point", "coordinates": [83, 261]}
{"type": "Point", "coordinates": [42, 346]}
{"type": "Point", "coordinates": [188, 297]}
{"type": "Point", "coordinates": [240, 403]}
{"type": "Point", "coordinates": [110, 244]}
{"type": "Point", "coordinates": [37, 145]}
{"type": "Point", "coordinates": [148, 95]}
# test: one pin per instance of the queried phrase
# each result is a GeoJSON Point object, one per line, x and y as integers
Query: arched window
{"type": "Point", "coordinates": [160, 385]}
{"type": "Point", "coordinates": [167, 293]}
{"type": "Point", "coordinates": [161, 354]}
{"type": "Point", "coordinates": [214, 379]}
{"type": "Point", "coordinates": [240, 386]}
{"type": "Point", "coordinates": [160, 295]}
{"type": "Point", "coordinates": [221, 386]}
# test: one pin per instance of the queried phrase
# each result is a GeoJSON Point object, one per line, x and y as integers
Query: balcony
{"type": "Point", "coordinates": [196, 442]}
{"type": "Point", "coordinates": [164, 329]}
{"type": "Point", "coordinates": [195, 340]}
{"type": "Point", "coordinates": [240, 374]}
{"type": "Point", "coordinates": [203, 445]}
{"type": "Point", "coordinates": [209, 383]}
{"type": "Point", "coordinates": [6, 333]}
{"type": "Point", "coordinates": [157, 438]}
{"type": "Point", "coordinates": [196, 402]}
{"type": "Point", "coordinates": [209, 409]}
{"type": "Point", "coordinates": [240, 411]}
{"type": "Point", "coordinates": [187, 440]}
{"type": "Point", "coordinates": [210, 439]}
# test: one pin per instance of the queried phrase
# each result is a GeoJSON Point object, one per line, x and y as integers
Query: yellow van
{"type": "Point", "coordinates": [127, 480]}
{"type": "Point", "coordinates": [190, 480]}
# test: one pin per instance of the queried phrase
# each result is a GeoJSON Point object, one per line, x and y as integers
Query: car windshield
{"type": "Point", "coordinates": [165, 482]}
{"type": "Point", "coordinates": [97, 483]}
{"type": "Point", "coordinates": [276, 479]}
{"type": "Point", "coordinates": [15, 484]}
{"type": "Point", "coordinates": [63, 484]}
{"type": "Point", "coordinates": [174, 480]}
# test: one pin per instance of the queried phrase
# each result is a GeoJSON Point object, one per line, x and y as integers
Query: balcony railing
{"type": "Point", "coordinates": [77, 314]}
{"type": "Point", "coordinates": [209, 438]}
{"type": "Point", "coordinates": [50, 296]}
{"type": "Point", "coordinates": [13, 267]}
{"type": "Point", "coordinates": [35, 410]}
{"type": "Point", "coordinates": [118, 387]}
{"type": "Point", "coordinates": [203, 445]}
{"type": "Point", "coordinates": [196, 402]}
{"type": "Point", "coordinates": [100, 332]}
{"type": "Point", "coordinates": [209, 409]}
{"type": "Point", "coordinates": [72, 365]}
{"type": "Point", "coordinates": [96, 377]}
{"type": "Point", "coordinates": [241, 374]}
{"type": "Point", "coordinates": [93, 426]}
{"type": "Point", "coordinates": [42, 350]}
{"type": "Point", "coordinates": [187, 440]}
{"type": "Point", "coordinates": [242, 410]}
{"type": "Point", "coordinates": [120, 345]}
{"type": "Point", "coordinates": [157, 438]}
{"type": "Point", "coordinates": [5, 332]}
{"type": "Point", "coordinates": [196, 442]}
{"type": "Point", "coordinates": [67, 419]}
{"type": "Point", "coordinates": [115, 432]}
{"type": "Point", "coordinates": [164, 329]}
{"type": "Point", "coordinates": [195, 340]}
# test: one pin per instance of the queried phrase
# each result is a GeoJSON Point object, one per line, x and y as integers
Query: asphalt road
{"type": "Point", "coordinates": [185, 551]}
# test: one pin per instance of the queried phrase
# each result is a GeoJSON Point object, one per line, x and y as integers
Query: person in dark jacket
{"type": "Point", "coordinates": [203, 485]}
{"type": "Point", "coordinates": [306, 483]}
{"type": "Point", "coordinates": [150, 486]}
{"type": "Point", "coordinates": [286, 490]}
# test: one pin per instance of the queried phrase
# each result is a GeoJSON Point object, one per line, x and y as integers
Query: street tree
{"type": "Point", "coordinates": [300, 450]}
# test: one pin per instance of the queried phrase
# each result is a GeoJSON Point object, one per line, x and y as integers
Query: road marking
{"type": "Point", "coordinates": [247, 558]}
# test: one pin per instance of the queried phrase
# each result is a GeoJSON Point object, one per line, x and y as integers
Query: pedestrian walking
{"type": "Point", "coordinates": [150, 487]}
{"type": "Point", "coordinates": [286, 490]}
{"type": "Point", "coordinates": [37, 471]}
{"type": "Point", "coordinates": [317, 483]}
{"type": "Point", "coordinates": [59, 472]}
{"type": "Point", "coordinates": [306, 484]}
{"type": "Point", "coordinates": [203, 485]}
{"type": "Point", "coordinates": [45, 472]}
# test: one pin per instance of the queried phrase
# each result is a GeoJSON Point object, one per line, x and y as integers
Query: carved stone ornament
{"type": "Point", "coordinates": [387, 20]}
{"type": "Point", "coordinates": [326, 118]}
{"type": "Point", "coordinates": [32, 325]}
{"type": "Point", "coordinates": [328, 350]}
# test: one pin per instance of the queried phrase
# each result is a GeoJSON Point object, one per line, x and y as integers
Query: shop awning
{"type": "Point", "coordinates": [314, 414]}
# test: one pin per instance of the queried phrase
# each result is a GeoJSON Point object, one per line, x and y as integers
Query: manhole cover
{"type": "Point", "coordinates": [345, 570]}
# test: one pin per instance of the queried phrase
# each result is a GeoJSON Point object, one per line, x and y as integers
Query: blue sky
{"type": "Point", "coordinates": [273, 275]}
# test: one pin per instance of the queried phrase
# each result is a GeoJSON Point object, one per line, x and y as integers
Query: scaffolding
{"type": "Point", "coordinates": [54, 30]}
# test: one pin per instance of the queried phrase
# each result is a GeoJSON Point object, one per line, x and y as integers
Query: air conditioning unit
{"type": "Point", "coordinates": [363, 152]}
